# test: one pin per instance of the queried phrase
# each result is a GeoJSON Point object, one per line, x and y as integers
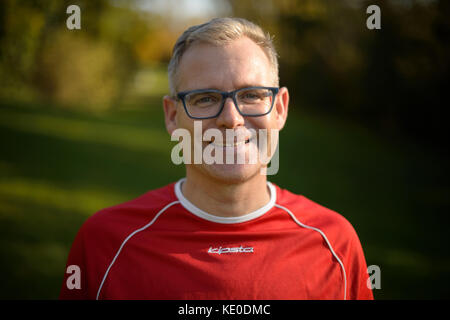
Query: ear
{"type": "Point", "coordinates": [170, 113]}
{"type": "Point", "coordinates": [281, 107]}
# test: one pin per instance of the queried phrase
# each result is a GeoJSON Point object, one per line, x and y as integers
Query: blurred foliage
{"type": "Point", "coordinates": [91, 67]}
{"type": "Point", "coordinates": [73, 70]}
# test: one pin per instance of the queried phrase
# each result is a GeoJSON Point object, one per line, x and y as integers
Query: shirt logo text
{"type": "Point", "coordinates": [240, 249]}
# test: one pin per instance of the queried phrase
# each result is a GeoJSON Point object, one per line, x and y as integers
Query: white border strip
{"type": "Point", "coordinates": [225, 220]}
{"type": "Point", "coordinates": [128, 238]}
{"type": "Point", "coordinates": [326, 240]}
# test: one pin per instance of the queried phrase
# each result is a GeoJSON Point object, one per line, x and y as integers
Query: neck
{"type": "Point", "coordinates": [226, 199]}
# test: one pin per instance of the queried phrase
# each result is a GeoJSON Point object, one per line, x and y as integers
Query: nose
{"type": "Point", "coordinates": [230, 117]}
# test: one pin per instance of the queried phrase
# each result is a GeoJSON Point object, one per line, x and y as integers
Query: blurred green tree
{"type": "Point", "coordinates": [92, 67]}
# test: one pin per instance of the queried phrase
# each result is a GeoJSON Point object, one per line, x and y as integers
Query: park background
{"type": "Point", "coordinates": [81, 125]}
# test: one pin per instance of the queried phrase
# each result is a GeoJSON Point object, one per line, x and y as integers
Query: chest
{"type": "Point", "coordinates": [278, 264]}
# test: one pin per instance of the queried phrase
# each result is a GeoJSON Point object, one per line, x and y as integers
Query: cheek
{"type": "Point", "coordinates": [267, 132]}
{"type": "Point", "coordinates": [184, 122]}
{"type": "Point", "coordinates": [265, 122]}
{"type": "Point", "coordinates": [195, 127]}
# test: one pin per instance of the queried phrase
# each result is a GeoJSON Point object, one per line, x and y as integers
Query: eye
{"type": "Point", "coordinates": [250, 95]}
{"type": "Point", "coordinates": [203, 100]}
{"type": "Point", "coordinates": [253, 96]}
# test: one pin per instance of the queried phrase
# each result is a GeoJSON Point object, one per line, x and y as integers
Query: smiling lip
{"type": "Point", "coordinates": [234, 144]}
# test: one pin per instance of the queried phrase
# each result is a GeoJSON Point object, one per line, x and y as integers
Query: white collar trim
{"type": "Point", "coordinates": [226, 220]}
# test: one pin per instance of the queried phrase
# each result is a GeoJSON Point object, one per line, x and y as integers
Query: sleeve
{"type": "Point", "coordinates": [75, 284]}
{"type": "Point", "coordinates": [358, 287]}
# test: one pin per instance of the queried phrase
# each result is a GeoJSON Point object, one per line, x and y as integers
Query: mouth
{"type": "Point", "coordinates": [231, 144]}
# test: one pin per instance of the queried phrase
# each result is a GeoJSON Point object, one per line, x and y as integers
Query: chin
{"type": "Point", "coordinates": [232, 173]}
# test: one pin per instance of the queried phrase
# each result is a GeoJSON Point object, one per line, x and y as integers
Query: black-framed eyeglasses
{"type": "Point", "coordinates": [209, 103]}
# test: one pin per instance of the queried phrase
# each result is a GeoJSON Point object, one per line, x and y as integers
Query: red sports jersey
{"type": "Point", "coordinates": [161, 246]}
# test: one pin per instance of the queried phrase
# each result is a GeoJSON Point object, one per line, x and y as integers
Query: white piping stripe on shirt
{"type": "Point", "coordinates": [326, 240]}
{"type": "Point", "coordinates": [128, 238]}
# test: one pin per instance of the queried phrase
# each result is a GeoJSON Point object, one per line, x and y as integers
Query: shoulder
{"type": "Point", "coordinates": [126, 217]}
{"type": "Point", "coordinates": [334, 225]}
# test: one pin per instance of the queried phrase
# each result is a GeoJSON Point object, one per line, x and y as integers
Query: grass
{"type": "Point", "coordinates": [57, 167]}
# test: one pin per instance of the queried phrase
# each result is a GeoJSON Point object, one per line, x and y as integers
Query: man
{"type": "Point", "coordinates": [224, 231]}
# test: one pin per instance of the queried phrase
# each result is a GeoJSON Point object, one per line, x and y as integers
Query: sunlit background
{"type": "Point", "coordinates": [81, 125]}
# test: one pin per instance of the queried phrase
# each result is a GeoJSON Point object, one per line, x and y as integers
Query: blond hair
{"type": "Point", "coordinates": [219, 32]}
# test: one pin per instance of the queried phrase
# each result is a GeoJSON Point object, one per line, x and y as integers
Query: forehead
{"type": "Point", "coordinates": [238, 64]}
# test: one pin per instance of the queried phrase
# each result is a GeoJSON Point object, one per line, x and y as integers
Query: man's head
{"type": "Point", "coordinates": [226, 54]}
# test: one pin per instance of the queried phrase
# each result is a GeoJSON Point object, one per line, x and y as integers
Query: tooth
{"type": "Point", "coordinates": [217, 144]}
